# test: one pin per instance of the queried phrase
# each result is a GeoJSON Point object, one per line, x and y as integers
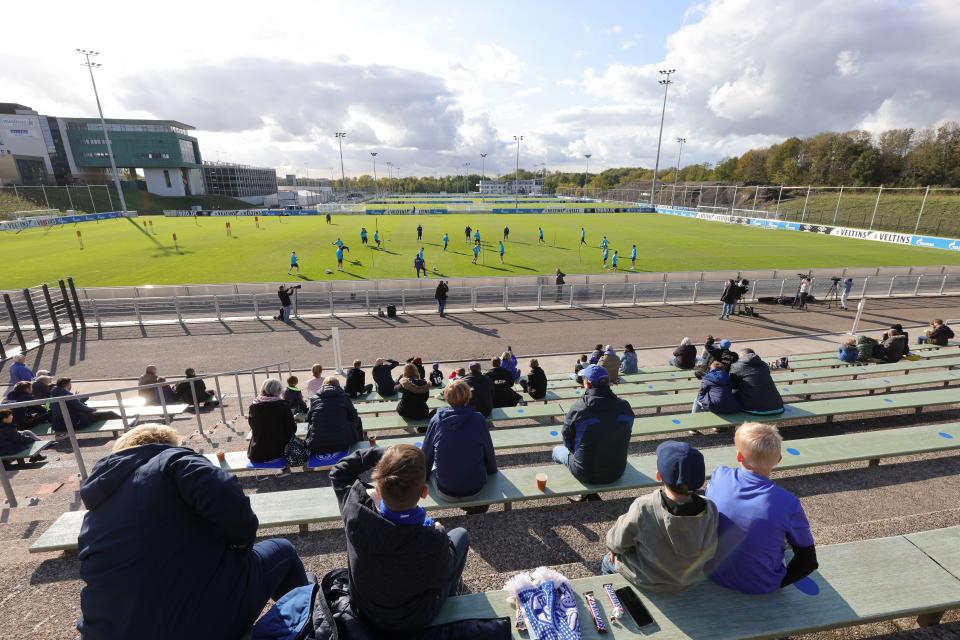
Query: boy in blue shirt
{"type": "Point", "coordinates": [476, 253]}
{"type": "Point", "coordinates": [756, 516]}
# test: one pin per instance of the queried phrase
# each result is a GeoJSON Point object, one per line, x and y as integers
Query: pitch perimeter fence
{"type": "Point", "coordinates": [17, 201]}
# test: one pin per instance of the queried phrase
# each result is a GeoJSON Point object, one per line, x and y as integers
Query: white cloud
{"type": "Point", "coordinates": [616, 29]}
{"type": "Point", "coordinates": [848, 62]}
{"type": "Point", "coordinates": [522, 93]}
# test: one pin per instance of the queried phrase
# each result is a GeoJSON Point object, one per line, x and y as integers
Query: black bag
{"type": "Point", "coordinates": [296, 452]}
{"type": "Point", "coordinates": [391, 311]}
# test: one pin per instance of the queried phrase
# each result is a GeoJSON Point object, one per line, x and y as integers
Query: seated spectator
{"type": "Point", "coordinates": [316, 380]}
{"type": "Point", "coordinates": [19, 371]}
{"type": "Point", "coordinates": [848, 350]}
{"type": "Point", "coordinates": [417, 361]}
{"type": "Point", "coordinates": [403, 565]}
{"type": "Point", "coordinates": [356, 382]}
{"type": "Point", "coordinates": [868, 349]}
{"type": "Point", "coordinates": [893, 347]}
{"type": "Point", "coordinates": [81, 416]}
{"type": "Point", "coordinates": [684, 356]}
{"type": "Point", "coordinates": [756, 516]}
{"type": "Point", "coordinates": [333, 422]}
{"type": "Point", "coordinates": [611, 362]}
{"type": "Point", "coordinates": [271, 423]}
{"type": "Point", "coordinates": [535, 382]}
{"type": "Point", "coordinates": [938, 333]}
{"type": "Point", "coordinates": [666, 537]}
{"type": "Point", "coordinates": [173, 538]}
{"type": "Point", "coordinates": [509, 362]}
{"type": "Point", "coordinates": [151, 396]}
{"type": "Point", "coordinates": [26, 417]}
{"type": "Point", "coordinates": [897, 330]}
{"type": "Point", "coordinates": [414, 394]}
{"type": "Point", "coordinates": [503, 393]}
{"type": "Point", "coordinates": [581, 364]}
{"type": "Point", "coordinates": [294, 396]}
{"type": "Point", "coordinates": [753, 386]}
{"type": "Point", "coordinates": [205, 398]}
{"type": "Point", "coordinates": [458, 448]}
{"type": "Point", "coordinates": [481, 398]}
{"type": "Point", "coordinates": [436, 376]}
{"type": "Point", "coordinates": [14, 441]}
{"type": "Point", "coordinates": [456, 374]}
{"type": "Point", "coordinates": [42, 386]}
{"type": "Point", "coordinates": [716, 392]}
{"type": "Point", "coordinates": [383, 377]}
{"type": "Point", "coordinates": [628, 363]}
{"type": "Point", "coordinates": [596, 355]}
{"type": "Point", "coordinates": [596, 432]}
{"type": "Point", "coordinates": [713, 350]}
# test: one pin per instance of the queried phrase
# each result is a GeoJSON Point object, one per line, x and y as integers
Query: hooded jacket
{"type": "Point", "coordinates": [414, 395]}
{"type": "Point", "coordinates": [482, 397]}
{"type": "Point", "coordinates": [848, 354]}
{"type": "Point", "coordinates": [356, 380]}
{"type": "Point", "coordinates": [397, 572]}
{"type": "Point", "coordinates": [660, 551]}
{"type": "Point", "coordinates": [611, 363]}
{"type": "Point", "coordinates": [503, 393]}
{"type": "Point", "coordinates": [22, 414]}
{"type": "Point", "coordinates": [510, 364]}
{"type": "Point", "coordinates": [628, 363]}
{"type": "Point", "coordinates": [685, 356]}
{"type": "Point", "coordinates": [711, 353]}
{"type": "Point", "coordinates": [294, 398]}
{"type": "Point", "coordinates": [20, 372]}
{"type": "Point", "coordinates": [597, 431]}
{"type": "Point", "coordinates": [11, 440]}
{"type": "Point", "coordinates": [940, 335]}
{"type": "Point", "coordinates": [753, 386]}
{"type": "Point", "coordinates": [333, 422]}
{"type": "Point", "coordinates": [383, 378]}
{"type": "Point", "coordinates": [272, 425]}
{"type": "Point", "coordinates": [459, 451]}
{"type": "Point", "coordinates": [81, 415]}
{"type": "Point", "coordinates": [894, 348]}
{"type": "Point", "coordinates": [716, 393]}
{"type": "Point", "coordinates": [159, 549]}
{"type": "Point", "coordinates": [536, 383]}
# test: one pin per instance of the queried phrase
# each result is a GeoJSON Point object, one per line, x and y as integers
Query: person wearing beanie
{"type": "Point", "coordinates": [481, 398]}
{"type": "Point", "coordinates": [436, 376]}
{"type": "Point", "coordinates": [714, 350]}
{"type": "Point", "coordinates": [666, 537]}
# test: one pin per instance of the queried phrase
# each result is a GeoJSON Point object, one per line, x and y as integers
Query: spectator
{"type": "Point", "coordinates": [535, 382]}
{"type": "Point", "coordinates": [151, 396]}
{"type": "Point", "coordinates": [559, 282]}
{"type": "Point", "coordinates": [755, 517]}
{"type": "Point", "coordinates": [666, 537]}
{"type": "Point", "coordinates": [502, 380]}
{"type": "Point", "coordinates": [713, 350]}
{"type": "Point", "coordinates": [628, 363]}
{"type": "Point", "coordinates": [441, 295]}
{"type": "Point", "coordinates": [26, 417]}
{"type": "Point", "coordinates": [205, 398]}
{"type": "Point", "coordinates": [294, 396]}
{"type": "Point", "coordinates": [596, 355]}
{"type": "Point", "coordinates": [458, 448]}
{"type": "Point", "coordinates": [509, 362]}
{"type": "Point", "coordinates": [611, 362]}
{"type": "Point", "coordinates": [804, 291]}
{"type": "Point", "coordinates": [42, 386]}
{"type": "Point", "coordinates": [716, 392]}
{"type": "Point", "coordinates": [414, 394]}
{"type": "Point", "coordinates": [436, 376]}
{"type": "Point", "coordinates": [19, 371]}
{"type": "Point", "coordinates": [848, 350]}
{"type": "Point", "coordinates": [729, 297]}
{"type": "Point", "coordinates": [684, 356]}
{"type": "Point", "coordinates": [938, 333]}
{"type": "Point", "coordinates": [753, 386]}
{"type": "Point", "coordinates": [596, 432]}
{"type": "Point", "coordinates": [271, 423]}
{"type": "Point", "coordinates": [316, 380]}
{"type": "Point", "coordinates": [172, 537]}
{"type": "Point", "coordinates": [894, 346]}
{"type": "Point", "coordinates": [417, 361]}
{"type": "Point", "coordinates": [845, 292]}
{"type": "Point", "coordinates": [81, 416]}
{"type": "Point", "coordinates": [897, 330]}
{"type": "Point", "coordinates": [356, 382]}
{"type": "Point", "coordinates": [333, 422]}
{"type": "Point", "coordinates": [383, 377]}
{"type": "Point", "coordinates": [284, 294]}
{"type": "Point", "coordinates": [13, 441]}
{"type": "Point", "coordinates": [457, 374]}
{"type": "Point", "coordinates": [482, 397]}
{"type": "Point", "coordinates": [402, 564]}
{"type": "Point", "coordinates": [581, 364]}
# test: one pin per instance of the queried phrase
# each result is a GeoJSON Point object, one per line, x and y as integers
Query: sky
{"type": "Point", "coordinates": [429, 86]}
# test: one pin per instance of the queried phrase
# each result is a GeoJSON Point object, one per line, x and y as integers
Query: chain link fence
{"type": "Point", "coordinates": [25, 201]}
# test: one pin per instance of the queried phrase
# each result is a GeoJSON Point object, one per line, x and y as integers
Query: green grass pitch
{"type": "Point", "coordinates": [125, 252]}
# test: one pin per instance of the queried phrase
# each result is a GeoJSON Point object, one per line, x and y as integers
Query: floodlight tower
{"type": "Point", "coordinates": [586, 176]}
{"type": "Point", "coordinates": [376, 187]}
{"type": "Point", "coordinates": [666, 82]}
{"type": "Point", "coordinates": [106, 136]}
{"type": "Point", "coordinates": [466, 169]}
{"type": "Point", "coordinates": [516, 178]}
{"type": "Point", "coordinates": [677, 177]}
{"type": "Point", "coordinates": [483, 166]}
{"type": "Point", "coordinates": [343, 176]}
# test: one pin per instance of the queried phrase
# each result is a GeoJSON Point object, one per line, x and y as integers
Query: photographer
{"type": "Point", "coordinates": [441, 296]}
{"type": "Point", "coordinates": [284, 294]}
{"type": "Point", "coordinates": [803, 292]}
{"type": "Point", "coordinates": [732, 292]}
{"type": "Point", "coordinates": [845, 292]}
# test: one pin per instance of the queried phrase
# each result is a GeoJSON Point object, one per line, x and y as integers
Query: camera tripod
{"type": "Point", "coordinates": [833, 294]}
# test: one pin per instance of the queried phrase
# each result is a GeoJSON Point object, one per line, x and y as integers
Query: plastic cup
{"type": "Point", "coordinates": [542, 481]}
{"type": "Point", "coordinates": [372, 440]}
{"type": "Point", "coordinates": [221, 456]}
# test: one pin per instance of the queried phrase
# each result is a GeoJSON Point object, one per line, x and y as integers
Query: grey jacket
{"type": "Point", "coordinates": [659, 551]}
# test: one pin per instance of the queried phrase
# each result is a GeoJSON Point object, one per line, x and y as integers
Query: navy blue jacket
{"type": "Point", "coordinates": [716, 393]}
{"type": "Point", "coordinates": [753, 386]}
{"type": "Point", "coordinates": [383, 378]}
{"type": "Point", "coordinates": [20, 414]}
{"type": "Point", "coordinates": [159, 548]}
{"type": "Point", "coordinates": [458, 443]}
{"type": "Point", "coordinates": [11, 441]}
{"type": "Point", "coordinates": [597, 431]}
{"type": "Point", "coordinates": [333, 422]}
{"type": "Point", "coordinates": [80, 414]}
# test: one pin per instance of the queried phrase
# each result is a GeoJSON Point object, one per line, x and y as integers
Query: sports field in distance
{"type": "Point", "coordinates": [125, 252]}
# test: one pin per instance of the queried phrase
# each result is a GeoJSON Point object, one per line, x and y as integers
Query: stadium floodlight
{"type": "Point", "coordinates": [86, 53]}
{"type": "Point", "coordinates": [343, 176]}
{"type": "Point", "coordinates": [483, 167]}
{"type": "Point", "coordinates": [666, 81]}
{"type": "Point", "coordinates": [516, 179]}
{"type": "Point", "coordinates": [466, 169]}
{"type": "Point", "coordinates": [376, 189]}
{"type": "Point", "coordinates": [677, 177]}
{"type": "Point", "coordinates": [586, 176]}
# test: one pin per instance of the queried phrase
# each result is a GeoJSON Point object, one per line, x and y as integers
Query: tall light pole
{"type": "Point", "coordinates": [343, 176]}
{"type": "Point", "coordinates": [106, 136]}
{"type": "Point", "coordinates": [516, 176]}
{"type": "Point", "coordinates": [466, 169]}
{"type": "Point", "coordinates": [586, 176]}
{"type": "Point", "coordinates": [376, 188]}
{"type": "Point", "coordinates": [656, 166]}
{"type": "Point", "coordinates": [397, 167]}
{"type": "Point", "coordinates": [676, 179]}
{"type": "Point", "coordinates": [483, 167]}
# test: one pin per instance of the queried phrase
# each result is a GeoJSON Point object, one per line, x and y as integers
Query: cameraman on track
{"type": "Point", "coordinates": [732, 292]}
{"type": "Point", "coordinates": [284, 294]}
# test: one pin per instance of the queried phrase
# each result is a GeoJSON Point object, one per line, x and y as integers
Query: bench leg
{"type": "Point", "coordinates": [872, 391]}
{"type": "Point", "coordinates": [303, 528]}
{"type": "Point", "coordinates": [929, 619]}
{"type": "Point", "coordinates": [829, 419]}
{"type": "Point", "coordinates": [508, 506]}
{"type": "Point", "coordinates": [918, 410]}
{"type": "Point", "coordinates": [874, 462]}
{"type": "Point", "coordinates": [658, 410]}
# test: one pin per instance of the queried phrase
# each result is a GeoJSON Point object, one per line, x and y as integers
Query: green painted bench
{"type": "Point", "coordinates": [857, 583]}
{"type": "Point", "coordinates": [306, 506]}
{"type": "Point", "coordinates": [114, 427]}
{"type": "Point", "coordinates": [28, 452]}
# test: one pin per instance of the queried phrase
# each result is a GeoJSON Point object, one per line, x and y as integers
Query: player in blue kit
{"type": "Point", "coordinates": [633, 257]}
{"type": "Point", "coordinates": [294, 263]}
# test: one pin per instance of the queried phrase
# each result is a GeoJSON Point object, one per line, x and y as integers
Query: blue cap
{"type": "Point", "coordinates": [595, 374]}
{"type": "Point", "coordinates": [681, 464]}
{"type": "Point", "coordinates": [725, 344]}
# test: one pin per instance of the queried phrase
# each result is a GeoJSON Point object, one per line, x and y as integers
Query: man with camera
{"type": "Point", "coordinates": [732, 292]}
{"type": "Point", "coordinates": [441, 296]}
{"type": "Point", "coordinates": [284, 294]}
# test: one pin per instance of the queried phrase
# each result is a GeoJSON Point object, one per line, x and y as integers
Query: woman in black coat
{"type": "Point", "coordinates": [334, 424]}
{"type": "Point", "coordinates": [414, 394]}
{"type": "Point", "coordinates": [271, 422]}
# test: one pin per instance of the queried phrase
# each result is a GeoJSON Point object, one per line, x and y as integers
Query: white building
{"type": "Point", "coordinates": [507, 187]}
{"type": "Point", "coordinates": [24, 156]}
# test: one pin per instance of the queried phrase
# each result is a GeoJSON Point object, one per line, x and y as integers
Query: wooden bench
{"type": "Point", "coordinates": [114, 427]}
{"type": "Point", "coordinates": [28, 452]}
{"type": "Point", "coordinates": [306, 506]}
{"type": "Point", "coordinates": [857, 583]}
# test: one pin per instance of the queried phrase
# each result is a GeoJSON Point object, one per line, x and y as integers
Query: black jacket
{"type": "Point", "coordinates": [503, 393]}
{"type": "Point", "coordinates": [536, 383]}
{"type": "Point", "coordinates": [941, 335]}
{"type": "Point", "coordinates": [334, 424]}
{"type": "Point", "coordinates": [80, 414]}
{"type": "Point", "coordinates": [414, 395]}
{"type": "Point", "coordinates": [753, 386]}
{"type": "Point", "coordinates": [21, 414]}
{"type": "Point", "coordinates": [284, 295]}
{"type": "Point", "coordinates": [397, 572]}
{"type": "Point", "coordinates": [482, 397]}
{"type": "Point", "coordinates": [895, 347]}
{"type": "Point", "coordinates": [731, 292]}
{"type": "Point", "coordinates": [11, 441]}
{"type": "Point", "coordinates": [272, 425]}
{"type": "Point", "coordinates": [356, 380]}
{"type": "Point", "coordinates": [182, 391]}
{"type": "Point", "coordinates": [597, 431]}
{"type": "Point", "coordinates": [713, 352]}
{"type": "Point", "coordinates": [383, 378]}
{"type": "Point", "coordinates": [441, 292]}
{"type": "Point", "coordinates": [686, 356]}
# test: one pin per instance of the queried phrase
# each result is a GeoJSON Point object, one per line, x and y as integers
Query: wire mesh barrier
{"type": "Point", "coordinates": [21, 201]}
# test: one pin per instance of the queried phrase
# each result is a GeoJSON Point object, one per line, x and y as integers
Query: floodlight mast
{"type": "Point", "coordinates": [483, 166]}
{"type": "Point", "coordinates": [343, 176]}
{"type": "Point", "coordinates": [376, 187]}
{"type": "Point", "coordinates": [86, 53]}
{"type": "Point", "coordinates": [586, 176]}
{"type": "Point", "coordinates": [666, 82]}
{"type": "Point", "coordinates": [516, 178]}
{"type": "Point", "coordinates": [676, 179]}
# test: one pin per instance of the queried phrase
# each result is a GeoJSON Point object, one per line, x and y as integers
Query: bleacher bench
{"type": "Point", "coordinates": [28, 452]}
{"type": "Point", "coordinates": [114, 427]}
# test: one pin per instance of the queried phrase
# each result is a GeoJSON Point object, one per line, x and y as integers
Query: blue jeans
{"type": "Point", "coordinates": [561, 454]}
{"type": "Point", "coordinates": [285, 313]}
{"type": "Point", "coordinates": [441, 305]}
{"type": "Point", "coordinates": [696, 407]}
{"type": "Point", "coordinates": [606, 567]}
{"type": "Point", "coordinates": [727, 309]}
{"type": "Point", "coordinates": [274, 568]}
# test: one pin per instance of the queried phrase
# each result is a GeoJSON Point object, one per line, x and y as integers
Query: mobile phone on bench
{"type": "Point", "coordinates": [633, 604]}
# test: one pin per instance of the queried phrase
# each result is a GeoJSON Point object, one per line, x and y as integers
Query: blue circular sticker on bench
{"type": "Point", "coordinates": [793, 451]}
{"type": "Point", "coordinates": [944, 434]}
{"type": "Point", "coordinates": [675, 421]}
{"type": "Point", "coordinates": [888, 400]}
{"type": "Point", "coordinates": [786, 389]}
{"type": "Point", "coordinates": [786, 408]}
{"type": "Point", "coordinates": [673, 375]}
{"type": "Point", "coordinates": [803, 375]}
{"type": "Point", "coordinates": [554, 434]}
{"type": "Point", "coordinates": [418, 444]}
{"type": "Point", "coordinates": [519, 410]}
{"type": "Point", "coordinates": [807, 586]}
{"type": "Point", "coordinates": [885, 379]}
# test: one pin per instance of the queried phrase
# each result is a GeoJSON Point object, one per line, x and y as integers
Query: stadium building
{"type": "Point", "coordinates": [24, 146]}
{"type": "Point", "coordinates": [509, 187]}
{"type": "Point", "coordinates": [239, 180]}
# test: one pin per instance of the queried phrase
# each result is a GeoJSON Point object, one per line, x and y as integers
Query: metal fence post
{"type": "Point", "coordinates": [96, 312]}
{"type": "Point", "coordinates": [236, 378]}
{"type": "Point", "coordinates": [72, 435]}
{"type": "Point", "coordinates": [506, 298]}
{"type": "Point", "coordinates": [15, 322]}
{"type": "Point", "coordinates": [696, 290]}
{"type": "Point", "coordinates": [66, 305]}
{"type": "Point", "coordinates": [403, 300]}
{"type": "Point", "coordinates": [893, 279]}
{"type": "Point", "coordinates": [366, 298]}
{"type": "Point", "coordinates": [7, 487]}
{"type": "Point", "coordinates": [33, 315]}
{"type": "Point", "coordinates": [922, 205]}
{"type": "Point", "coordinates": [196, 407]}
{"type": "Point", "coordinates": [875, 207]}
{"type": "Point", "coordinates": [256, 306]}
{"type": "Point", "coordinates": [782, 285]}
{"type": "Point", "coordinates": [136, 309]}
{"type": "Point", "coordinates": [665, 285]}
{"type": "Point", "coordinates": [603, 295]}
{"type": "Point", "coordinates": [539, 296]}
{"type": "Point", "coordinates": [176, 306]}
{"type": "Point", "coordinates": [803, 214]}
{"type": "Point", "coordinates": [76, 302]}
{"type": "Point", "coordinates": [837, 210]}
{"type": "Point", "coordinates": [253, 379]}
{"type": "Point", "coordinates": [330, 294]}
{"type": "Point", "coordinates": [473, 299]}
{"type": "Point", "coordinates": [866, 282]}
{"type": "Point", "coordinates": [572, 287]}
{"type": "Point", "coordinates": [943, 284]}
{"type": "Point", "coordinates": [634, 302]}
{"type": "Point", "coordinates": [123, 411]}
{"type": "Point", "coordinates": [53, 312]}
{"type": "Point", "coordinates": [916, 289]}
{"type": "Point", "coordinates": [216, 306]}
{"type": "Point", "coordinates": [167, 418]}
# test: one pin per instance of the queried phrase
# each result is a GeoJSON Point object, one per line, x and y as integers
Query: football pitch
{"type": "Point", "coordinates": [132, 252]}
